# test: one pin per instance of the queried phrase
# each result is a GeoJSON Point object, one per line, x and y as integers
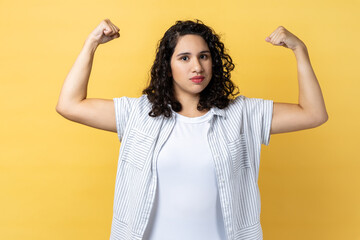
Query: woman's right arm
{"type": "Point", "coordinates": [72, 103]}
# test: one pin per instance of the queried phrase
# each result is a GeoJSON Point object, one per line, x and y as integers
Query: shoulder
{"type": "Point", "coordinates": [132, 101]}
{"type": "Point", "coordinates": [250, 102]}
{"type": "Point", "coordinates": [248, 106]}
{"type": "Point", "coordinates": [242, 100]}
{"type": "Point", "coordinates": [236, 105]}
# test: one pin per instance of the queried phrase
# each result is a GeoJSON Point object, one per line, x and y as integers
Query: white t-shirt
{"type": "Point", "coordinates": [187, 204]}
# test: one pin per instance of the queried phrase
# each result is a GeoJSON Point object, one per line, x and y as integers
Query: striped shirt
{"type": "Point", "coordinates": [235, 136]}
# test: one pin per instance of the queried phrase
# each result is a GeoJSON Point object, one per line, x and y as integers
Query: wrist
{"type": "Point", "coordinates": [301, 54]}
{"type": "Point", "coordinates": [91, 43]}
{"type": "Point", "coordinates": [300, 48]}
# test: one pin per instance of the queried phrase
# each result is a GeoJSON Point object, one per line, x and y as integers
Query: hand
{"type": "Point", "coordinates": [105, 32]}
{"type": "Point", "coordinates": [282, 37]}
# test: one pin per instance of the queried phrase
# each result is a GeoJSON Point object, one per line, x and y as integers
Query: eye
{"type": "Point", "coordinates": [205, 56]}
{"type": "Point", "coordinates": [183, 58]}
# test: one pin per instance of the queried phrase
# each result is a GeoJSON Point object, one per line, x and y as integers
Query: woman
{"type": "Point", "coordinates": [190, 155]}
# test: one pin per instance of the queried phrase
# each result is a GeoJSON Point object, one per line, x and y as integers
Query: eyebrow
{"type": "Point", "coordinates": [185, 53]}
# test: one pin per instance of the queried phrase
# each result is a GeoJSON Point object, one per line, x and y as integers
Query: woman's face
{"type": "Point", "coordinates": [191, 58]}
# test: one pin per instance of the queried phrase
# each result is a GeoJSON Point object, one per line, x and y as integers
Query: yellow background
{"type": "Point", "coordinates": [57, 177]}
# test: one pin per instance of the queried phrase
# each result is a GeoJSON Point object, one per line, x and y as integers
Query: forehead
{"type": "Point", "coordinates": [191, 42]}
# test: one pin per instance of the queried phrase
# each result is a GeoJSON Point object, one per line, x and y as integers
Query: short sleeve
{"type": "Point", "coordinates": [123, 106]}
{"type": "Point", "coordinates": [259, 115]}
{"type": "Point", "coordinates": [266, 121]}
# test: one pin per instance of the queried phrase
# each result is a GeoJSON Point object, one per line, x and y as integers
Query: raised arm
{"type": "Point", "coordinates": [72, 103]}
{"type": "Point", "coordinates": [310, 112]}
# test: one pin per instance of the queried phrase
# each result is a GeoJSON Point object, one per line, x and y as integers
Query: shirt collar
{"type": "Point", "coordinates": [215, 111]}
{"type": "Point", "coordinates": [218, 111]}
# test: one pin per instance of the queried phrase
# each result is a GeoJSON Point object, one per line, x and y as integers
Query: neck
{"type": "Point", "coordinates": [189, 105]}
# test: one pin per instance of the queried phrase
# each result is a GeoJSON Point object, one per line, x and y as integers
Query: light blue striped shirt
{"type": "Point", "coordinates": [235, 136]}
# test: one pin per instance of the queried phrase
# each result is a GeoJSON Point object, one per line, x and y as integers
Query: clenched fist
{"type": "Point", "coordinates": [282, 37]}
{"type": "Point", "coordinates": [105, 32]}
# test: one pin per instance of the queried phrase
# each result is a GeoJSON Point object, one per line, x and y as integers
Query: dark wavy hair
{"type": "Point", "coordinates": [160, 90]}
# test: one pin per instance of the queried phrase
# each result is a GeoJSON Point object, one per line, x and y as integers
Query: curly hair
{"type": "Point", "coordinates": [160, 90]}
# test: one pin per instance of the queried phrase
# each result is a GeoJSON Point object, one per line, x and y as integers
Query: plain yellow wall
{"type": "Point", "coordinates": [57, 177]}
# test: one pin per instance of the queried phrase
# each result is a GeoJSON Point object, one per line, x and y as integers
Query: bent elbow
{"type": "Point", "coordinates": [322, 120]}
{"type": "Point", "coordinates": [58, 109]}
{"type": "Point", "coordinates": [62, 111]}
{"type": "Point", "coordinates": [326, 118]}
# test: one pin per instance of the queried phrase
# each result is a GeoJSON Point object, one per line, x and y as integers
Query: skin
{"type": "Point", "coordinates": [185, 66]}
{"type": "Point", "coordinates": [74, 105]}
{"type": "Point", "coordinates": [310, 112]}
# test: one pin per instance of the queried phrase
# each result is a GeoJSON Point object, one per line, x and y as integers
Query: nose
{"type": "Point", "coordinates": [197, 66]}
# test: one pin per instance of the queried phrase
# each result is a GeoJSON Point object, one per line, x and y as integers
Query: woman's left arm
{"type": "Point", "coordinates": [310, 112]}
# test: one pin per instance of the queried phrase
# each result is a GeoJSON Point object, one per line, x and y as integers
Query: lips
{"type": "Point", "coordinates": [197, 78]}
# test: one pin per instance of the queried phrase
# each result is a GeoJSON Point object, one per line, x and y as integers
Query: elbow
{"type": "Point", "coordinates": [326, 118]}
{"type": "Point", "coordinates": [57, 109]}
{"type": "Point", "coordinates": [323, 119]}
{"type": "Point", "coordinates": [60, 110]}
